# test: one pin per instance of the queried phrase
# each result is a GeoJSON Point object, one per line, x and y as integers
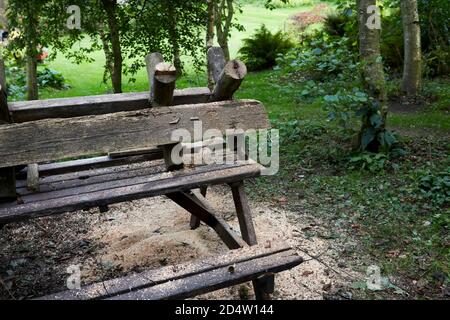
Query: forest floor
{"type": "Point", "coordinates": [151, 233]}
{"type": "Point", "coordinates": [341, 218]}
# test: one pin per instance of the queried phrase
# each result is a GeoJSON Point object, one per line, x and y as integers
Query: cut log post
{"type": "Point", "coordinates": [162, 79]}
{"type": "Point", "coordinates": [229, 81]}
{"type": "Point", "coordinates": [33, 177]}
{"type": "Point", "coordinates": [164, 84]}
{"type": "Point", "coordinates": [216, 64]}
{"type": "Point", "coordinates": [152, 60]}
{"type": "Point", "coordinates": [7, 175]}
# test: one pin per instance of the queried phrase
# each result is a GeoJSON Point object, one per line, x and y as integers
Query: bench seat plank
{"type": "Point", "coordinates": [276, 257]}
{"type": "Point", "coordinates": [115, 191]}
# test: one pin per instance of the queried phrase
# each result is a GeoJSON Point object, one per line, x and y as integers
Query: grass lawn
{"type": "Point", "coordinates": [86, 79]}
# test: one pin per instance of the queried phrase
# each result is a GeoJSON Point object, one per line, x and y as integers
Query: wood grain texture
{"type": "Point", "coordinates": [95, 195]}
{"type": "Point", "coordinates": [137, 281]}
{"type": "Point", "coordinates": [58, 168]}
{"type": "Point", "coordinates": [229, 81]}
{"type": "Point", "coordinates": [54, 139]}
{"type": "Point", "coordinates": [164, 82]}
{"type": "Point", "coordinates": [216, 63]}
{"type": "Point", "coordinates": [216, 279]}
{"type": "Point", "coordinates": [26, 111]}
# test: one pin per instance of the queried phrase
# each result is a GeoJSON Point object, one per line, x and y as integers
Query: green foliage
{"type": "Point", "coordinates": [320, 58]}
{"type": "Point", "coordinates": [52, 79]}
{"type": "Point", "coordinates": [436, 187]}
{"type": "Point", "coordinates": [373, 162]}
{"type": "Point", "coordinates": [435, 32]}
{"type": "Point", "coordinates": [261, 50]}
{"type": "Point", "coordinates": [329, 65]}
{"type": "Point", "coordinates": [47, 78]}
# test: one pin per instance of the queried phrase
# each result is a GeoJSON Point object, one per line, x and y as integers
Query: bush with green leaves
{"type": "Point", "coordinates": [435, 187]}
{"type": "Point", "coordinates": [331, 71]}
{"type": "Point", "coordinates": [260, 51]}
{"type": "Point", "coordinates": [47, 78]}
{"type": "Point", "coordinates": [320, 58]}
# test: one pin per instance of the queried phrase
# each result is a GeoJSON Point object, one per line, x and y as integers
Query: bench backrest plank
{"type": "Point", "coordinates": [25, 111]}
{"type": "Point", "coordinates": [56, 139]}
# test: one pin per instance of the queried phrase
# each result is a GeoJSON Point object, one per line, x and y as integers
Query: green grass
{"type": "Point", "coordinates": [86, 79]}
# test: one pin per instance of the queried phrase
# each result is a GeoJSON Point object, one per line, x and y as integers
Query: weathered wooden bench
{"type": "Point", "coordinates": [131, 136]}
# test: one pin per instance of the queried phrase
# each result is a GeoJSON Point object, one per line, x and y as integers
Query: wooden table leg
{"type": "Point", "coordinates": [195, 221]}
{"type": "Point", "coordinates": [263, 286]}
{"type": "Point", "coordinates": [196, 206]}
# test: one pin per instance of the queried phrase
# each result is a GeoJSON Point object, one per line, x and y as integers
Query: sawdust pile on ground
{"type": "Point", "coordinates": [151, 233]}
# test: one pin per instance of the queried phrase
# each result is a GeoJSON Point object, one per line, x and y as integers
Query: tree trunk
{"type": "Point", "coordinates": [173, 34]}
{"type": "Point", "coordinates": [110, 7]}
{"type": "Point", "coordinates": [373, 73]}
{"type": "Point", "coordinates": [32, 83]}
{"type": "Point", "coordinates": [210, 40]}
{"type": "Point", "coordinates": [224, 14]}
{"type": "Point", "coordinates": [412, 70]}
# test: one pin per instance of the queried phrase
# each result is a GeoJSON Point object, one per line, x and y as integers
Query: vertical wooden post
{"type": "Point", "coordinates": [195, 222]}
{"type": "Point", "coordinates": [164, 84]}
{"type": "Point", "coordinates": [33, 177]}
{"type": "Point", "coordinates": [229, 81]}
{"type": "Point", "coordinates": [7, 175]}
{"type": "Point", "coordinates": [216, 64]}
{"type": "Point", "coordinates": [264, 285]}
{"type": "Point", "coordinates": [152, 60]}
{"type": "Point", "coordinates": [162, 77]}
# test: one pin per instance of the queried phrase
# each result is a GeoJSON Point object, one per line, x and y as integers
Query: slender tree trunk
{"type": "Point", "coordinates": [412, 70]}
{"type": "Point", "coordinates": [210, 39]}
{"type": "Point", "coordinates": [373, 73]}
{"type": "Point", "coordinates": [173, 34]}
{"type": "Point", "coordinates": [31, 25]}
{"type": "Point", "coordinates": [224, 14]}
{"type": "Point", "coordinates": [32, 83]}
{"type": "Point", "coordinates": [110, 7]}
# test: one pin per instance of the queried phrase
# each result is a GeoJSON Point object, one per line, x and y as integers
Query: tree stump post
{"type": "Point", "coordinates": [229, 81]}
{"type": "Point", "coordinates": [216, 64]}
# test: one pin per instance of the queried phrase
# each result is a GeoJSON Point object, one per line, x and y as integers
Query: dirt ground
{"type": "Point", "coordinates": [145, 234]}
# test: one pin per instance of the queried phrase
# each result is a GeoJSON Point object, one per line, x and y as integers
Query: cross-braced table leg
{"type": "Point", "coordinates": [263, 286]}
{"type": "Point", "coordinates": [195, 221]}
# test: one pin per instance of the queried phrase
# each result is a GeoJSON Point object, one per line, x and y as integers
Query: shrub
{"type": "Point", "coordinates": [261, 50]}
{"type": "Point", "coordinates": [52, 79]}
{"type": "Point", "coordinates": [320, 58]}
{"type": "Point", "coordinates": [436, 187]}
{"type": "Point", "coordinates": [47, 78]}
